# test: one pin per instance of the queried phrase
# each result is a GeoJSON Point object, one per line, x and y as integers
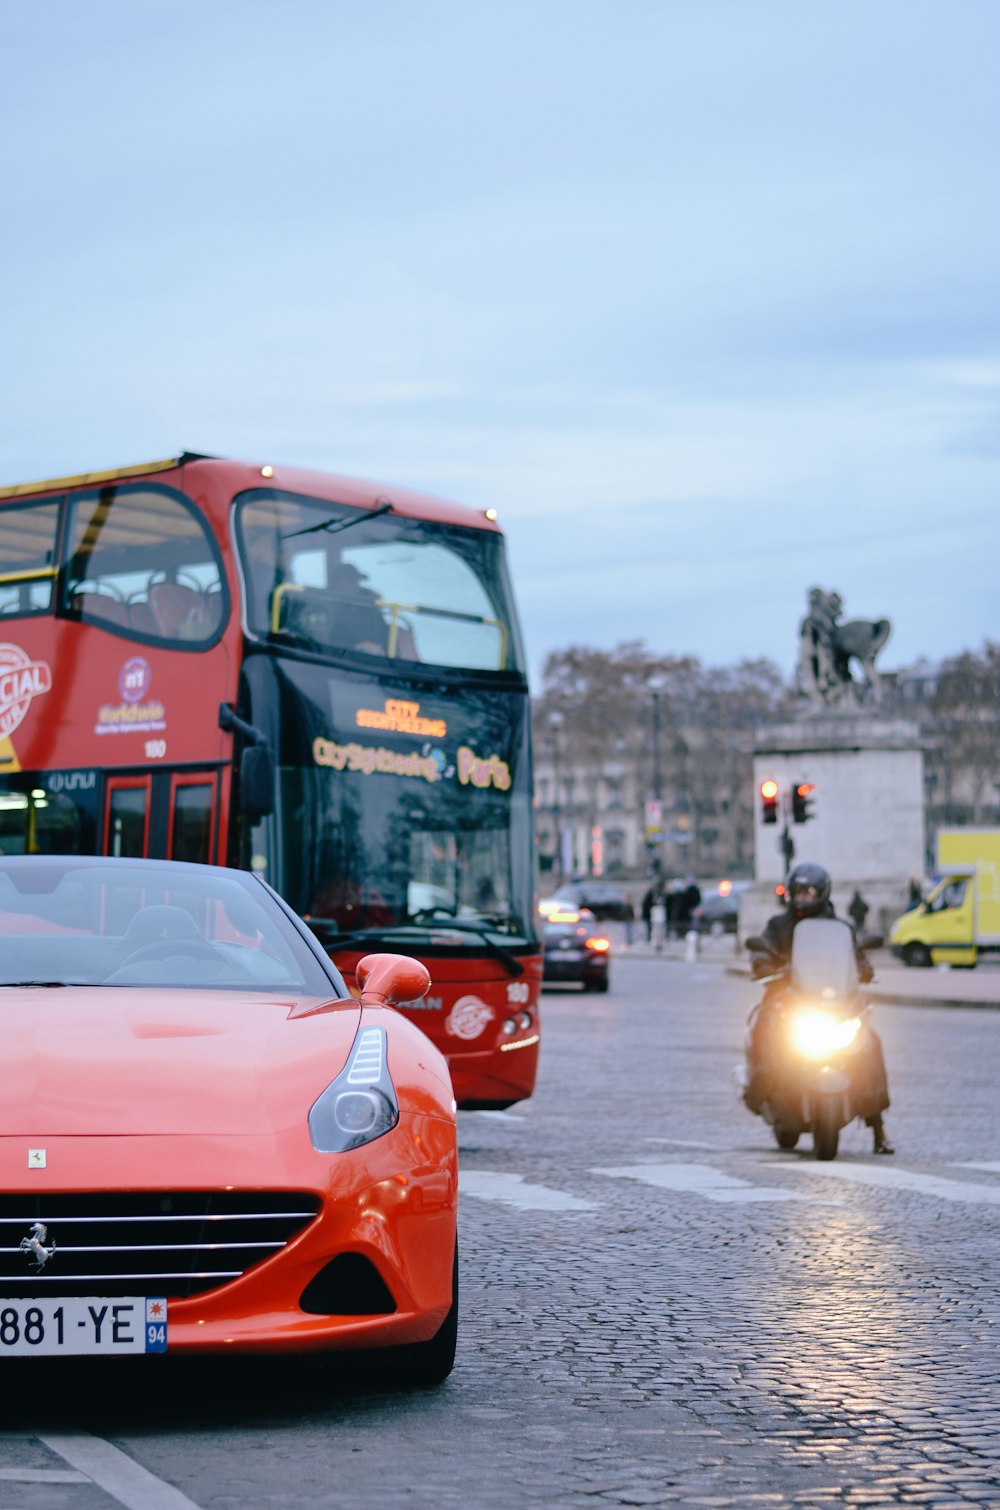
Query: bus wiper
{"type": "Point", "coordinates": [334, 941]}
{"type": "Point", "coordinates": [336, 526]}
{"type": "Point", "coordinates": [510, 962]}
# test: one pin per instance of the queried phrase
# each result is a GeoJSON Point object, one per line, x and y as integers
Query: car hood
{"type": "Point", "coordinates": [92, 1062]}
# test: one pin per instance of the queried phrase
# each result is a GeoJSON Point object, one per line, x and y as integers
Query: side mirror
{"type": "Point", "coordinates": [387, 979]}
{"type": "Point", "coordinates": [257, 778]}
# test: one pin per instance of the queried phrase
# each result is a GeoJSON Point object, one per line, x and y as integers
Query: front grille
{"type": "Point", "coordinates": [173, 1243]}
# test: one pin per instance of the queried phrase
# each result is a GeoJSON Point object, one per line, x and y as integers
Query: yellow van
{"type": "Point", "coordinates": [959, 921]}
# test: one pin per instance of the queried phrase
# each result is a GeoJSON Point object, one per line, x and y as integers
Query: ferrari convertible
{"type": "Point", "coordinates": [207, 1144]}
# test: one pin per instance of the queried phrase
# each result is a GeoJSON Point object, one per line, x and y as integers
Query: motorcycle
{"type": "Point", "coordinates": [810, 1036]}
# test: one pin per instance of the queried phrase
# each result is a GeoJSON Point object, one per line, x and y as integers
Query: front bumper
{"type": "Point", "coordinates": [392, 1202]}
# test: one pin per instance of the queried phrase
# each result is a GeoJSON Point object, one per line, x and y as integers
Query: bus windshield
{"type": "Point", "coordinates": [332, 579]}
{"type": "Point", "coordinates": [419, 812]}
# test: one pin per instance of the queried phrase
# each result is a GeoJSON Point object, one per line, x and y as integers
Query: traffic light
{"type": "Point", "coordinates": [802, 801]}
{"type": "Point", "coordinates": [769, 801]}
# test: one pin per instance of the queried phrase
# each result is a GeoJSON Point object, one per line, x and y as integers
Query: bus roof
{"type": "Point", "coordinates": [241, 475]}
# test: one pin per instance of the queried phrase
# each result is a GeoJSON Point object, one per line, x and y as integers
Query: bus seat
{"type": "Point", "coordinates": [141, 616]}
{"type": "Point", "coordinates": [99, 605]}
{"type": "Point", "coordinates": [179, 612]}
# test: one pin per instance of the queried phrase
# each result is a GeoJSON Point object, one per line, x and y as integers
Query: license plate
{"type": "Point", "coordinates": [84, 1324]}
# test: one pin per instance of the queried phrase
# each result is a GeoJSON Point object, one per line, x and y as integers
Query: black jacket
{"type": "Point", "coordinates": [777, 936]}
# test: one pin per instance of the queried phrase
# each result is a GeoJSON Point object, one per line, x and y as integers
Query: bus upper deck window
{"type": "Point", "coordinates": [328, 577]}
{"type": "Point", "coordinates": [27, 557]}
{"type": "Point", "coordinates": [140, 560]}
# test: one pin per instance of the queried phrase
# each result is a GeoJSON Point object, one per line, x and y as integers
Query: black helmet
{"type": "Point", "coordinates": [808, 889]}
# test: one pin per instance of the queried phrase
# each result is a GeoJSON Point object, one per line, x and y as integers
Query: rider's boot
{"type": "Point", "coordinates": [880, 1143]}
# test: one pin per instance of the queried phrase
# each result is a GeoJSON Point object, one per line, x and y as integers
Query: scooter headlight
{"type": "Point", "coordinates": [819, 1035]}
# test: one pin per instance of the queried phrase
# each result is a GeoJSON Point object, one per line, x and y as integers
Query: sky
{"type": "Point", "coordinates": [700, 295]}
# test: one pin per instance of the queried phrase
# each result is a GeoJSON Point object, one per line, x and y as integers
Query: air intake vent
{"type": "Point", "coordinates": [349, 1285]}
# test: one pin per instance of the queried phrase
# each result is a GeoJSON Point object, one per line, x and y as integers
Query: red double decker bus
{"type": "Point", "coordinates": [312, 677]}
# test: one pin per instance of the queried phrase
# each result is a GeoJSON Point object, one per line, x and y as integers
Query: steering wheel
{"type": "Point", "coordinates": [427, 914]}
{"type": "Point", "coordinates": [159, 949]}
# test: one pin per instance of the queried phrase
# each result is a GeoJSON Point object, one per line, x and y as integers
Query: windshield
{"type": "Point", "coordinates": [417, 812]}
{"type": "Point", "coordinates": [106, 922]}
{"type": "Point", "coordinates": [823, 958]}
{"type": "Point", "coordinates": [337, 580]}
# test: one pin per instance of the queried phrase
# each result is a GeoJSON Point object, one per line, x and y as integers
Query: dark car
{"type": "Point", "coordinates": [574, 949]}
{"type": "Point", "coordinates": [718, 911]}
{"type": "Point", "coordinates": [603, 898]}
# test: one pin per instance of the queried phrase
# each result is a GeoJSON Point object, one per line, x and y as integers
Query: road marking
{"type": "Point", "coordinates": [490, 1185]}
{"type": "Point", "coordinates": [683, 1143]}
{"type": "Point", "coordinates": [701, 1179]}
{"type": "Point", "coordinates": [895, 1178]}
{"type": "Point", "coordinates": [117, 1473]}
{"type": "Point", "coordinates": [990, 1166]}
{"type": "Point", "coordinates": [494, 1116]}
{"type": "Point", "coordinates": [42, 1476]}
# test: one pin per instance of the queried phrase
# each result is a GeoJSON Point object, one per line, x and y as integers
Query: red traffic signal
{"type": "Point", "coordinates": [769, 801]}
{"type": "Point", "coordinates": [802, 801]}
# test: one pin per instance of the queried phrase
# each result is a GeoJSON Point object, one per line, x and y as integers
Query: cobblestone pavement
{"type": "Point", "coordinates": [659, 1308]}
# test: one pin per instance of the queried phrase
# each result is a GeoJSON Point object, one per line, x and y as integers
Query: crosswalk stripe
{"type": "Point", "coordinates": [990, 1166]}
{"type": "Point", "coordinates": [512, 1190]}
{"type": "Point", "coordinates": [895, 1178]}
{"type": "Point", "coordinates": [701, 1179]}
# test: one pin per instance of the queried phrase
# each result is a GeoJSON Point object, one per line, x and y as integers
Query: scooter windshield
{"type": "Point", "coordinates": [823, 959]}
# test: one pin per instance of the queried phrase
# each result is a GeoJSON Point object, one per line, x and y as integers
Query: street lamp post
{"type": "Point", "coordinates": [654, 806]}
{"type": "Point", "coordinates": [555, 722]}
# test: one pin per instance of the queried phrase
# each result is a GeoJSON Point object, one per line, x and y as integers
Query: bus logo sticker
{"type": "Point", "coordinates": [374, 760]}
{"type": "Point", "coordinates": [134, 679]}
{"type": "Point", "coordinates": [137, 713]}
{"type": "Point", "coordinates": [21, 679]}
{"type": "Point", "coordinates": [482, 773]}
{"type": "Point", "coordinates": [468, 1018]}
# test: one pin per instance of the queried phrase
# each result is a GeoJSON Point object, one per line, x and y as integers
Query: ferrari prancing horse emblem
{"type": "Point", "coordinates": [34, 1243]}
{"type": "Point", "coordinates": [36, 1158]}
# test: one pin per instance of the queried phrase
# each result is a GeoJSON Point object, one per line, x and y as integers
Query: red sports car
{"type": "Point", "coordinates": [206, 1143]}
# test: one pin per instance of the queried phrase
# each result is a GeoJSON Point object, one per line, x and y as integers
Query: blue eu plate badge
{"type": "Point", "coordinates": [156, 1324]}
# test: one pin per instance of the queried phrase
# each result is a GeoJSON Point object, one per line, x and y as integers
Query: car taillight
{"type": "Point", "coordinates": [600, 945]}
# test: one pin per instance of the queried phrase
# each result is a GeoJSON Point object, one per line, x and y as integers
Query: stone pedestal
{"type": "Point", "coordinates": [867, 824]}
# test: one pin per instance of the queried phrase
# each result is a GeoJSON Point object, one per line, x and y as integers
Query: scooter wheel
{"type": "Point", "coordinates": [825, 1131]}
{"type": "Point", "coordinates": [785, 1137]}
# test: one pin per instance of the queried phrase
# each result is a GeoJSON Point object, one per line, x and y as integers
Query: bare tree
{"type": "Point", "coordinates": [965, 726]}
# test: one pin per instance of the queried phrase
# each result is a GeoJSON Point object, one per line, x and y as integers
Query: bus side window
{"type": "Point", "coordinates": [140, 560]}
{"type": "Point", "coordinates": [27, 557]}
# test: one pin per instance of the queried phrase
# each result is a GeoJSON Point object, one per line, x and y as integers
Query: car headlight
{"type": "Point", "coordinates": [817, 1035]}
{"type": "Point", "coordinates": [360, 1105]}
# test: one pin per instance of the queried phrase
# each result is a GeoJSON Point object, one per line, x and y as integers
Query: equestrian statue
{"type": "Point", "coordinates": [827, 648]}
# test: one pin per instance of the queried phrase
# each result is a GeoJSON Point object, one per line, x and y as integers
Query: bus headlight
{"type": "Point", "coordinates": [818, 1035]}
{"type": "Point", "coordinates": [360, 1105]}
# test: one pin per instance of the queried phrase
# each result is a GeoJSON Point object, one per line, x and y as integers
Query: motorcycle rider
{"type": "Point", "coordinates": [807, 895]}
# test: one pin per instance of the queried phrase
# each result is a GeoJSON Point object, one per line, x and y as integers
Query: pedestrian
{"type": "Point", "coordinates": [857, 911]}
{"type": "Point", "coordinates": [692, 899]}
{"type": "Point", "coordinates": [658, 921]}
{"type": "Point", "coordinates": [647, 911]}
